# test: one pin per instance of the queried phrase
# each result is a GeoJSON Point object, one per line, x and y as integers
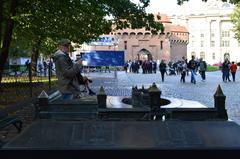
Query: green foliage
{"type": "Point", "coordinates": [212, 68]}
{"type": "Point", "coordinates": [80, 21]}
{"type": "Point", "coordinates": [235, 20]}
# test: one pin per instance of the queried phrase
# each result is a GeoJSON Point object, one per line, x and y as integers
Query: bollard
{"type": "Point", "coordinates": [43, 100]}
{"type": "Point", "coordinates": [219, 103]}
{"type": "Point", "coordinates": [102, 98]}
{"type": "Point", "coordinates": [154, 94]}
{"type": "Point", "coordinates": [115, 72]}
{"type": "Point", "coordinates": [136, 94]}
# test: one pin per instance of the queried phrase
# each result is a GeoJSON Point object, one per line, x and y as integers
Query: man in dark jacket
{"type": "Point", "coordinates": [162, 69]}
{"type": "Point", "coordinates": [192, 65]}
{"type": "Point", "coordinates": [67, 71]}
{"type": "Point", "coordinates": [202, 68]}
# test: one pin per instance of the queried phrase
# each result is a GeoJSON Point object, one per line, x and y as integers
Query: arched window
{"type": "Point", "coordinates": [132, 33]}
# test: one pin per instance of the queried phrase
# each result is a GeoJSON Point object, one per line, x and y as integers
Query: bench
{"type": "Point", "coordinates": [6, 120]}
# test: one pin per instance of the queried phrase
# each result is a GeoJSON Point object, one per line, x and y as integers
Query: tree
{"type": "Point", "coordinates": [38, 21]}
{"type": "Point", "coordinates": [235, 20]}
{"type": "Point", "coordinates": [6, 29]}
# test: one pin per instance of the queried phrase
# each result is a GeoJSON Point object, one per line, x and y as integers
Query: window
{"type": "Point", "coordinates": [125, 45]}
{"type": "Point", "coordinates": [202, 43]}
{"type": "Point", "coordinates": [213, 56]}
{"type": "Point", "coordinates": [212, 35]}
{"type": "Point", "coordinates": [225, 34]}
{"type": "Point", "coordinates": [212, 44]}
{"type": "Point", "coordinates": [202, 35]}
{"type": "Point", "coordinates": [225, 43]}
{"type": "Point", "coordinates": [193, 43]}
{"type": "Point", "coordinates": [202, 55]}
{"type": "Point", "coordinates": [222, 43]}
{"type": "Point", "coordinates": [161, 45]}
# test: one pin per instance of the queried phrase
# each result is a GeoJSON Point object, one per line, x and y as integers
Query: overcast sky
{"type": "Point", "coordinates": [169, 7]}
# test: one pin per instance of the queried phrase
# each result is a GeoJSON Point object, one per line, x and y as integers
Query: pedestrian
{"type": "Point", "coordinates": [183, 70]}
{"type": "Point", "coordinates": [67, 71]}
{"type": "Point", "coordinates": [233, 68]}
{"type": "Point", "coordinates": [192, 65]}
{"type": "Point", "coordinates": [107, 68]}
{"type": "Point", "coordinates": [162, 69]}
{"type": "Point", "coordinates": [186, 61]}
{"type": "Point", "coordinates": [154, 66]}
{"type": "Point", "coordinates": [45, 68]}
{"type": "Point", "coordinates": [40, 68]}
{"type": "Point", "coordinates": [202, 69]}
{"type": "Point", "coordinates": [225, 70]}
{"type": "Point", "coordinates": [27, 64]}
{"type": "Point", "coordinates": [126, 66]}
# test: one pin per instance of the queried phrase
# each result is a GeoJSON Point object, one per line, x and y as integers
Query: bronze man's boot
{"type": "Point", "coordinates": [91, 92]}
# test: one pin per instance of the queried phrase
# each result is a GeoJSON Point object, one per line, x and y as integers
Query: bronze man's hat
{"type": "Point", "coordinates": [64, 42]}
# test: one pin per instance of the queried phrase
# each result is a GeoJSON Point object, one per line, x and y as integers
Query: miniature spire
{"type": "Point", "coordinates": [101, 91]}
{"type": "Point", "coordinates": [43, 94]}
{"type": "Point", "coordinates": [153, 88]}
{"type": "Point", "coordinates": [219, 91]}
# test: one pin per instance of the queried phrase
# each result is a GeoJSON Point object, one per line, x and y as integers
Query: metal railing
{"type": "Point", "coordinates": [19, 84]}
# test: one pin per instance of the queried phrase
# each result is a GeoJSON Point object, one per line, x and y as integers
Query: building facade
{"type": "Point", "coordinates": [139, 44]}
{"type": "Point", "coordinates": [211, 36]}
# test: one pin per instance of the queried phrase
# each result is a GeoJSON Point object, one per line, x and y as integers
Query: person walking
{"type": "Point", "coordinates": [233, 69]}
{"type": "Point", "coordinates": [162, 69]}
{"type": "Point", "coordinates": [225, 71]}
{"type": "Point", "coordinates": [27, 64]}
{"type": "Point", "coordinates": [183, 70]}
{"type": "Point", "coordinates": [192, 65]}
{"type": "Point", "coordinates": [202, 69]}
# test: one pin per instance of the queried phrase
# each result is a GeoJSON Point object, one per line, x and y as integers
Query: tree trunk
{"type": "Point", "coordinates": [7, 38]}
{"type": "Point", "coordinates": [1, 22]}
{"type": "Point", "coordinates": [34, 58]}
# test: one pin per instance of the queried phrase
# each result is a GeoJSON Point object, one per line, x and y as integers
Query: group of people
{"type": "Point", "coordinates": [193, 66]}
{"type": "Point", "coordinates": [148, 66]}
{"type": "Point", "coordinates": [180, 67]}
{"type": "Point", "coordinates": [228, 67]}
{"type": "Point", "coordinates": [172, 68]}
{"type": "Point", "coordinates": [44, 67]}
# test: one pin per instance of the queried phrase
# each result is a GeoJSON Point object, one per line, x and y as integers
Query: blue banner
{"type": "Point", "coordinates": [103, 58]}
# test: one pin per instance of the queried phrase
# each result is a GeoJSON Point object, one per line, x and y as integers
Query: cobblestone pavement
{"type": "Point", "coordinates": [121, 85]}
{"type": "Point", "coordinates": [172, 87]}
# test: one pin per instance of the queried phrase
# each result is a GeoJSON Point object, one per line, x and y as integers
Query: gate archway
{"type": "Point", "coordinates": [144, 54]}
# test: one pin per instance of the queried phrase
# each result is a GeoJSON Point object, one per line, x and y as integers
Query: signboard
{"type": "Point", "coordinates": [103, 58]}
{"type": "Point", "coordinates": [105, 40]}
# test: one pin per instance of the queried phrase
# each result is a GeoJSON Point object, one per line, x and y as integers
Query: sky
{"type": "Point", "coordinates": [164, 6]}
{"type": "Point", "coordinates": [169, 7]}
